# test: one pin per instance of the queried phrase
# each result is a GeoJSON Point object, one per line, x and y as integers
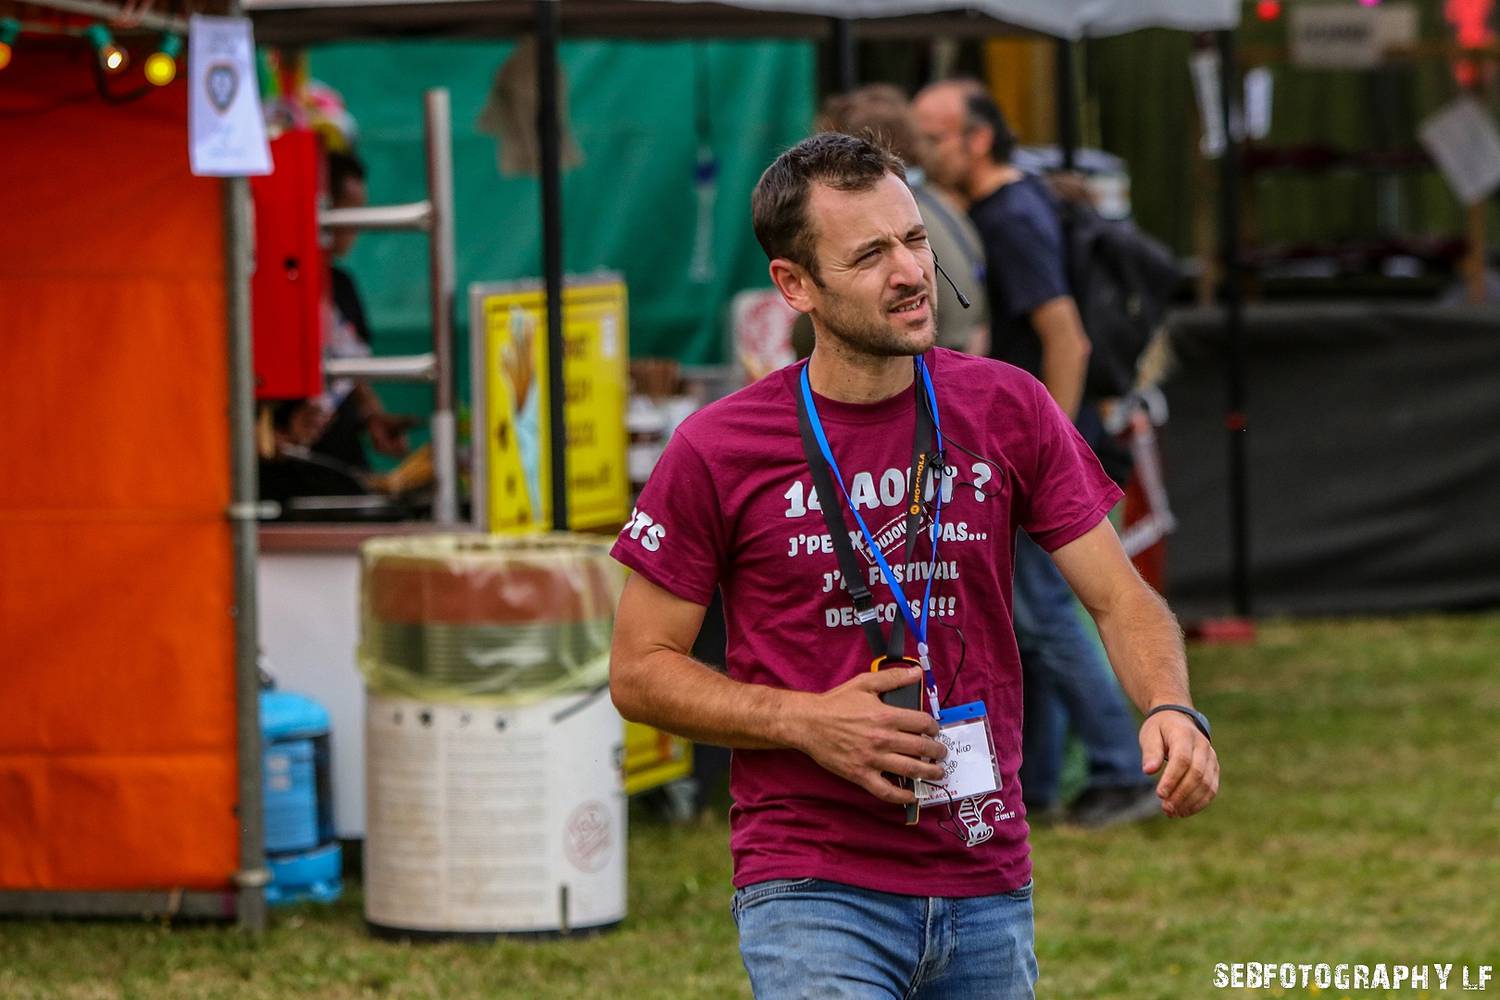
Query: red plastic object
{"type": "Point", "coordinates": [1222, 631]}
{"type": "Point", "coordinates": [287, 287]}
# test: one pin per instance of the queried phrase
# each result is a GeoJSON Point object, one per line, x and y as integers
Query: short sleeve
{"type": "Point", "coordinates": [1067, 492]}
{"type": "Point", "coordinates": [675, 535]}
{"type": "Point", "coordinates": [1027, 260]}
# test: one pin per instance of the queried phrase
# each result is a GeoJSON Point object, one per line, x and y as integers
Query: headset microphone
{"type": "Point", "coordinates": [963, 299]}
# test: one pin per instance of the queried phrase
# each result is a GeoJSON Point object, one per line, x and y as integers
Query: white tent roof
{"type": "Point", "coordinates": [1063, 18]}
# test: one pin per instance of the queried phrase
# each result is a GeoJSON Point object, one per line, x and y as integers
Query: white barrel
{"type": "Point", "coordinates": [494, 820]}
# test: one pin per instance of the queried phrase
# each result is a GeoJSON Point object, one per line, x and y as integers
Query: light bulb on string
{"type": "Point", "coordinates": [10, 28]}
{"type": "Point", "coordinates": [161, 65]}
{"type": "Point", "coordinates": [111, 57]}
{"type": "Point", "coordinates": [1268, 10]}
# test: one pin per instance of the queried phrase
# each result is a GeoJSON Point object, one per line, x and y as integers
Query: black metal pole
{"type": "Point", "coordinates": [1067, 105]}
{"type": "Point", "coordinates": [1235, 421]}
{"type": "Point", "coordinates": [552, 261]}
{"type": "Point", "coordinates": [1067, 142]}
{"type": "Point", "coordinates": [845, 58]}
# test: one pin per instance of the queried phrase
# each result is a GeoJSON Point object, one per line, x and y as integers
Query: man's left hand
{"type": "Point", "coordinates": [1190, 779]}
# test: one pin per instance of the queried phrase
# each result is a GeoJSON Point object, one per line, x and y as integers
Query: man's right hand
{"type": "Point", "coordinates": [858, 737]}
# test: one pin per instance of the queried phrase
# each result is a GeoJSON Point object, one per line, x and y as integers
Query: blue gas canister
{"type": "Point", "coordinates": [301, 850]}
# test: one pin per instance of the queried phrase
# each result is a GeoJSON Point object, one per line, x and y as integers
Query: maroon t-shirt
{"type": "Point", "coordinates": [731, 505]}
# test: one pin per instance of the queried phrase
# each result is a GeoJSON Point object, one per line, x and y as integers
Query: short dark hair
{"type": "Point", "coordinates": [778, 205]}
{"type": "Point", "coordinates": [981, 111]}
{"type": "Point", "coordinates": [342, 168]}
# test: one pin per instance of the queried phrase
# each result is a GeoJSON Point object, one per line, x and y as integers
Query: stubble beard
{"type": "Point", "coordinates": [860, 334]}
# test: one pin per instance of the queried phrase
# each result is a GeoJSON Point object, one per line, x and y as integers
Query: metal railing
{"type": "Point", "coordinates": [433, 216]}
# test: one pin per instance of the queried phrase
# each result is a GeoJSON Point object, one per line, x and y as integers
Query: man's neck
{"type": "Point", "coordinates": [991, 177]}
{"type": "Point", "coordinates": [851, 377]}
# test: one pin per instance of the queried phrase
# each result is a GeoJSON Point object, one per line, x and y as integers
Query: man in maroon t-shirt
{"type": "Point", "coordinates": [837, 895]}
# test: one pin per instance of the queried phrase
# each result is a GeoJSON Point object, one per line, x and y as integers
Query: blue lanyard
{"type": "Point", "coordinates": [917, 624]}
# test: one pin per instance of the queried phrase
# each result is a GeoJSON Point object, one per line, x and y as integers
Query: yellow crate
{"type": "Point", "coordinates": [653, 758]}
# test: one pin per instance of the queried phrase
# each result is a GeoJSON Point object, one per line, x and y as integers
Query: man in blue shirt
{"type": "Point", "coordinates": [1035, 325]}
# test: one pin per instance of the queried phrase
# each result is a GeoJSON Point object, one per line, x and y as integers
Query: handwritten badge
{"type": "Point", "coordinates": [969, 767]}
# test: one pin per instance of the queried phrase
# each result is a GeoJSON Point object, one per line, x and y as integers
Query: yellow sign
{"type": "Point", "coordinates": [511, 373]}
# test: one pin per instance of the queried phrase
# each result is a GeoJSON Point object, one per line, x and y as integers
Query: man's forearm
{"type": "Point", "coordinates": [1144, 643]}
{"type": "Point", "coordinates": [676, 693]}
{"type": "Point", "coordinates": [1065, 352]}
{"type": "Point", "coordinates": [1062, 374]}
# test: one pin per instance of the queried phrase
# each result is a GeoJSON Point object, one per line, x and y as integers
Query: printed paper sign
{"type": "Point", "coordinates": [226, 129]}
{"type": "Point", "coordinates": [510, 366]}
{"type": "Point", "coordinates": [1329, 36]}
{"type": "Point", "coordinates": [1462, 138]}
{"type": "Point", "coordinates": [1349, 36]}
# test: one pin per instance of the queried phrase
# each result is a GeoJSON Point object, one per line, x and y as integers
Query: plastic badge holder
{"type": "Point", "coordinates": [970, 762]}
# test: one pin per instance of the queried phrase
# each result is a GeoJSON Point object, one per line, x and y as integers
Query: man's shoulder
{"type": "Point", "coordinates": [981, 383]}
{"type": "Point", "coordinates": [747, 409]}
{"type": "Point", "coordinates": [975, 371]}
{"type": "Point", "coordinates": [1024, 201]}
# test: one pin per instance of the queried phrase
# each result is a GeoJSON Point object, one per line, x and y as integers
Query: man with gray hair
{"type": "Point", "coordinates": [1035, 325]}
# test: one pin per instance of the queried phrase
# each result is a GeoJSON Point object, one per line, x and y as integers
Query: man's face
{"type": "Point", "coordinates": [939, 115]}
{"type": "Point", "coordinates": [875, 269]}
{"type": "Point", "coordinates": [352, 193]}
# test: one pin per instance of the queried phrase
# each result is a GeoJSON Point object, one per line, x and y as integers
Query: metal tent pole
{"type": "Point", "coordinates": [252, 876]}
{"type": "Point", "coordinates": [1236, 421]}
{"type": "Point", "coordinates": [845, 55]}
{"type": "Point", "coordinates": [441, 270]}
{"type": "Point", "coordinates": [1067, 104]}
{"type": "Point", "coordinates": [552, 260]}
{"type": "Point", "coordinates": [1067, 144]}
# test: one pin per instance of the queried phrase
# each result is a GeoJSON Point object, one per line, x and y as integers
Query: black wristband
{"type": "Point", "coordinates": [1199, 719]}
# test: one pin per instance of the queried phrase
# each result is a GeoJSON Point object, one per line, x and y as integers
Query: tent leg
{"type": "Point", "coordinates": [845, 55]}
{"type": "Point", "coordinates": [1067, 105]}
{"type": "Point", "coordinates": [552, 250]}
{"type": "Point", "coordinates": [238, 242]}
{"type": "Point", "coordinates": [1236, 421]}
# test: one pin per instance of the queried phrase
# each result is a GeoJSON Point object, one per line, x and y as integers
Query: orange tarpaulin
{"type": "Point", "coordinates": [117, 753]}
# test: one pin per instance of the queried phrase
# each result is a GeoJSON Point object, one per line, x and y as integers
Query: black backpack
{"type": "Point", "coordinates": [1123, 281]}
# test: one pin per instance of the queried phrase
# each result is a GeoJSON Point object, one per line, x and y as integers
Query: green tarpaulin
{"type": "Point", "coordinates": [640, 113]}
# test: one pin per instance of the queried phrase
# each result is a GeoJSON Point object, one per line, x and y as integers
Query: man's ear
{"type": "Point", "coordinates": [978, 140]}
{"type": "Point", "coordinates": [794, 284]}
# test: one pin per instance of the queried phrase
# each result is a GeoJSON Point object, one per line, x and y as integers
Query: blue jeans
{"type": "Point", "coordinates": [1067, 682]}
{"type": "Point", "coordinates": [807, 938]}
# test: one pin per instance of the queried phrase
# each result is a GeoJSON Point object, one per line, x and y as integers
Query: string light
{"type": "Point", "coordinates": [1268, 10]}
{"type": "Point", "coordinates": [9, 29]}
{"type": "Point", "coordinates": [161, 65]}
{"type": "Point", "coordinates": [111, 57]}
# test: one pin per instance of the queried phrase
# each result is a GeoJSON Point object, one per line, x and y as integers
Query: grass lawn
{"type": "Point", "coordinates": [1359, 822]}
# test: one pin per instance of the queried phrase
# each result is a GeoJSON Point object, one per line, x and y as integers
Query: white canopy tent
{"type": "Point", "coordinates": [1061, 18]}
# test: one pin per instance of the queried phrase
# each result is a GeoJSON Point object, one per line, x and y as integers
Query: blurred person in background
{"type": "Point", "coordinates": [331, 427]}
{"type": "Point", "coordinates": [1035, 325]}
{"type": "Point", "coordinates": [880, 112]}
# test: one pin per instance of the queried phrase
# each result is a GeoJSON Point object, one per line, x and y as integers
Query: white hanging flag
{"type": "Point", "coordinates": [226, 129]}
